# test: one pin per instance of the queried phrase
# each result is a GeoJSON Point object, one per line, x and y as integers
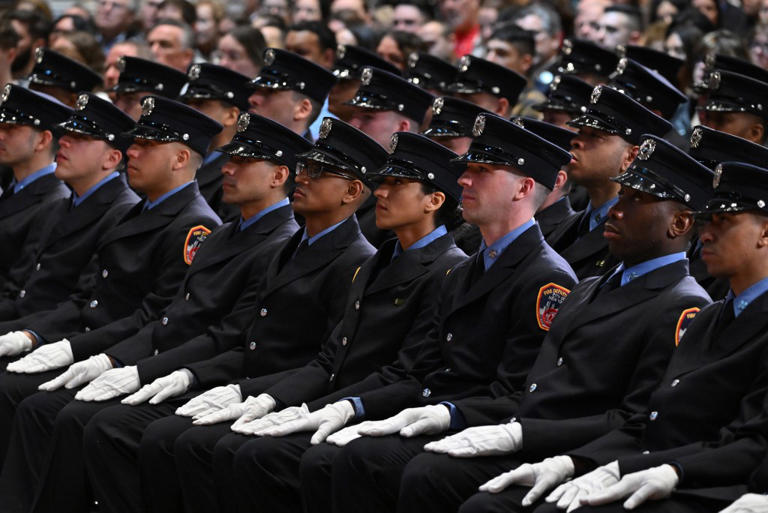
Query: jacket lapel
{"type": "Point", "coordinates": [637, 291]}
{"type": "Point", "coordinates": [29, 195]}
{"type": "Point", "coordinates": [150, 220]}
{"type": "Point", "coordinates": [409, 265]}
{"type": "Point", "coordinates": [320, 253]}
{"type": "Point", "coordinates": [503, 268]}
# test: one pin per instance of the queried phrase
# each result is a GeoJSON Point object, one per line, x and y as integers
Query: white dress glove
{"type": "Point", "coordinates": [541, 477]}
{"type": "Point", "coordinates": [14, 343]}
{"type": "Point", "coordinates": [175, 383]}
{"type": "Point", "coordinates": [110, 384]}
{"type": "Point", "coordinates": [271, 419]}
{"type": "Point", "coordinates": [749, 503]}
{"type": "Point", "coordinates": [210, 401]}
{"type": "Point", "coordinates": [481, 441]}
{"type": "Point", "coordinates": [250, 409]}
{"type": "Point", "coordinates": [567, 495]}
{"type": "Point", "coordinates": [44, 358]}
{"type": "Point", "coordinates": [344, 436]}
{"type": "Point", "coordinates": [323, 422]}
{"type": "Point", "coordinates": [79, 373]}
{"type": "Point", "coordinates": [425, 420]}
{"type": "Point", "coordinates": [653, 483]}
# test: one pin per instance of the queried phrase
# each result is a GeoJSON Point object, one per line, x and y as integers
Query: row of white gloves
{"type": "Point", "coordinates": [255, 416]}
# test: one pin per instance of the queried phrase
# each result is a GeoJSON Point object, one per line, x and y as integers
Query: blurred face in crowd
{"type": "Point", "coordinates": [587, 20]}
{"type": "Point", "coordinates": [111, 71]}
{"type": "Point", "coordinates": [307, 44]}
{"type": "Point", "coordinates": [25, 49]}
{"type": "Point", "coordinates": [507, 55]}
{"type": "Point", "coordinates": [113, 16]}
{"type": "Point", "coordinates": [206, 27]}
{"type": "Point", "coordinates": [758, 48]}
{"type": "Point", "coordinates": [232, 55]}
{"type": "Point", "coordinates": [306, 10]}
{"type": "Point", "coordinates": [149, 13]}
{"type": "Point", "coordinates": [390, 52]}
{"type": "Point", "coordinates": [666, 12]}
{"type": "Point", "coordinates": [357, 7]}
{"type": "Point", "coordinates": [673, 45]}
{"type": "Point", "coordinates": [167, 46]}
{"type": "Point", "coordinates": [407, 18]}
{"type": "Point", "coordinates": [460, 14]}
{"type": "Point", "coordinates": [432, 34]}
{"type": "Point", "coordinates": [277, 8]}
{"type": "Point", "coordinates": [487, 17]}
{"type": "Point", "coordinates": [546, 45]}
{"type": "Point", "coordinates": [762, 15]}
{"type": "Point", "coordinates": [614, 30]}
{"type": "Point", "coordinates": [708, 8]}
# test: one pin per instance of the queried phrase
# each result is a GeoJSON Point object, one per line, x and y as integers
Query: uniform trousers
{"type": "Point", "coordinates": [121, 470]}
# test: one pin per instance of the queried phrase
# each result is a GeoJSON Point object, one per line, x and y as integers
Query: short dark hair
{"type": "Point", "coordinates": [252, 40]}
{"type": "Point", "coordinates": [188, 11]}
{"type": "Point", "coordinates": [521, 39]}
{"type": "Point", "coordinates": [427, 8]}
{"type": "Point", "coordinates": [8, 37]}
{"type": "Point", "coordinates": [632, 12]}
{"type": "Point", "coordinates": [37, 26]}
{"type": "Point", "coordinates": [325, 36]}
{"type": "Point", "coordinates": [449, 213]}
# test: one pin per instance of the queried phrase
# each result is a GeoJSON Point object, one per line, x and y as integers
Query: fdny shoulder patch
{"type": "Point", "coordinates": [195, 238]}
{"type": "Point", "coordinates": [548, 302]}
{"type": "Point", "coordinates": [683, 322]}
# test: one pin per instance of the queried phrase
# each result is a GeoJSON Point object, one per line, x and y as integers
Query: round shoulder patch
{"type": "Point", "coordinates": [548, 302]}
{"type": "Point", "coordinates": [683, 322]}
{"type": "Point", "coordinates": [195, 238]}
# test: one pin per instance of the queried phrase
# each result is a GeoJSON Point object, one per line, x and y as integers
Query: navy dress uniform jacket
{"type": "Point", "coordinates": [389, 306]}
{"type": "Point", "coordinates": [484, 336]}
{"type": "Point", "coordinates": [18, 218]}
{"type": "Point", "coordinates": [709, 412]}
{"type": "Point", "coordinates": [209, 179]}
{"type": "Point", "coordinates": [211, 287]}
{"type": "Point", "coordinates": [67, 243]}
{"type": "Point", "coordinates": [554, 216]}
{"type": "Point", "coordinates": [588, 254]}
{"type": "Point", "coordinates": [141, 262]}
{"type": "Point", "coordinates": [600, 361]}
{"type": "Point", "coordinates": [300, 302]}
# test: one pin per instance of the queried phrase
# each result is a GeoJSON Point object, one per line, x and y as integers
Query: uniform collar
{"type": "Point", "coordinates": [152, 204]}
{"type": "Point", "coordinates": [492, 253]}
{"type": "Point", "coordinates": [598, 215]}
{"type": "Point", "coordinates": [245, 223]}
{"type": "Point", "coordinates": [77, 200]}
{"type": "Point", "coordinates": [47, 170]}
{"type": "Point", "coordinates": [643, 268]}
{"type": "Point", "coordinates": [424, 241]}
{"type": "Point", "coordinates": [742, 301]}
{"type": "Point", "coordinates": [313, 239]}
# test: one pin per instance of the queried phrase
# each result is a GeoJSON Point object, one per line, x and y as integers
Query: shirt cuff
{"type": "Point", "coordinates": [38, 339]}
{"type": "Point", "coordinates": [457, 418]}
{"type": "Point", "coordinates": [358, 405]}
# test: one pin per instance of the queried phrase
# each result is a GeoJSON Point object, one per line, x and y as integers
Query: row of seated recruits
{"type": "Point", "coordinates": [156, 359]}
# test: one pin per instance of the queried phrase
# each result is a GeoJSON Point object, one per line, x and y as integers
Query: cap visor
{"type": "Point", "coordinates": [245, 150]}
{"type": "Point", "coordinates": [592, 121]}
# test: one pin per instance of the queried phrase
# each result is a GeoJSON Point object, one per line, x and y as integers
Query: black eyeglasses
{"type": "Point", "coordinates": [314, 169]}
